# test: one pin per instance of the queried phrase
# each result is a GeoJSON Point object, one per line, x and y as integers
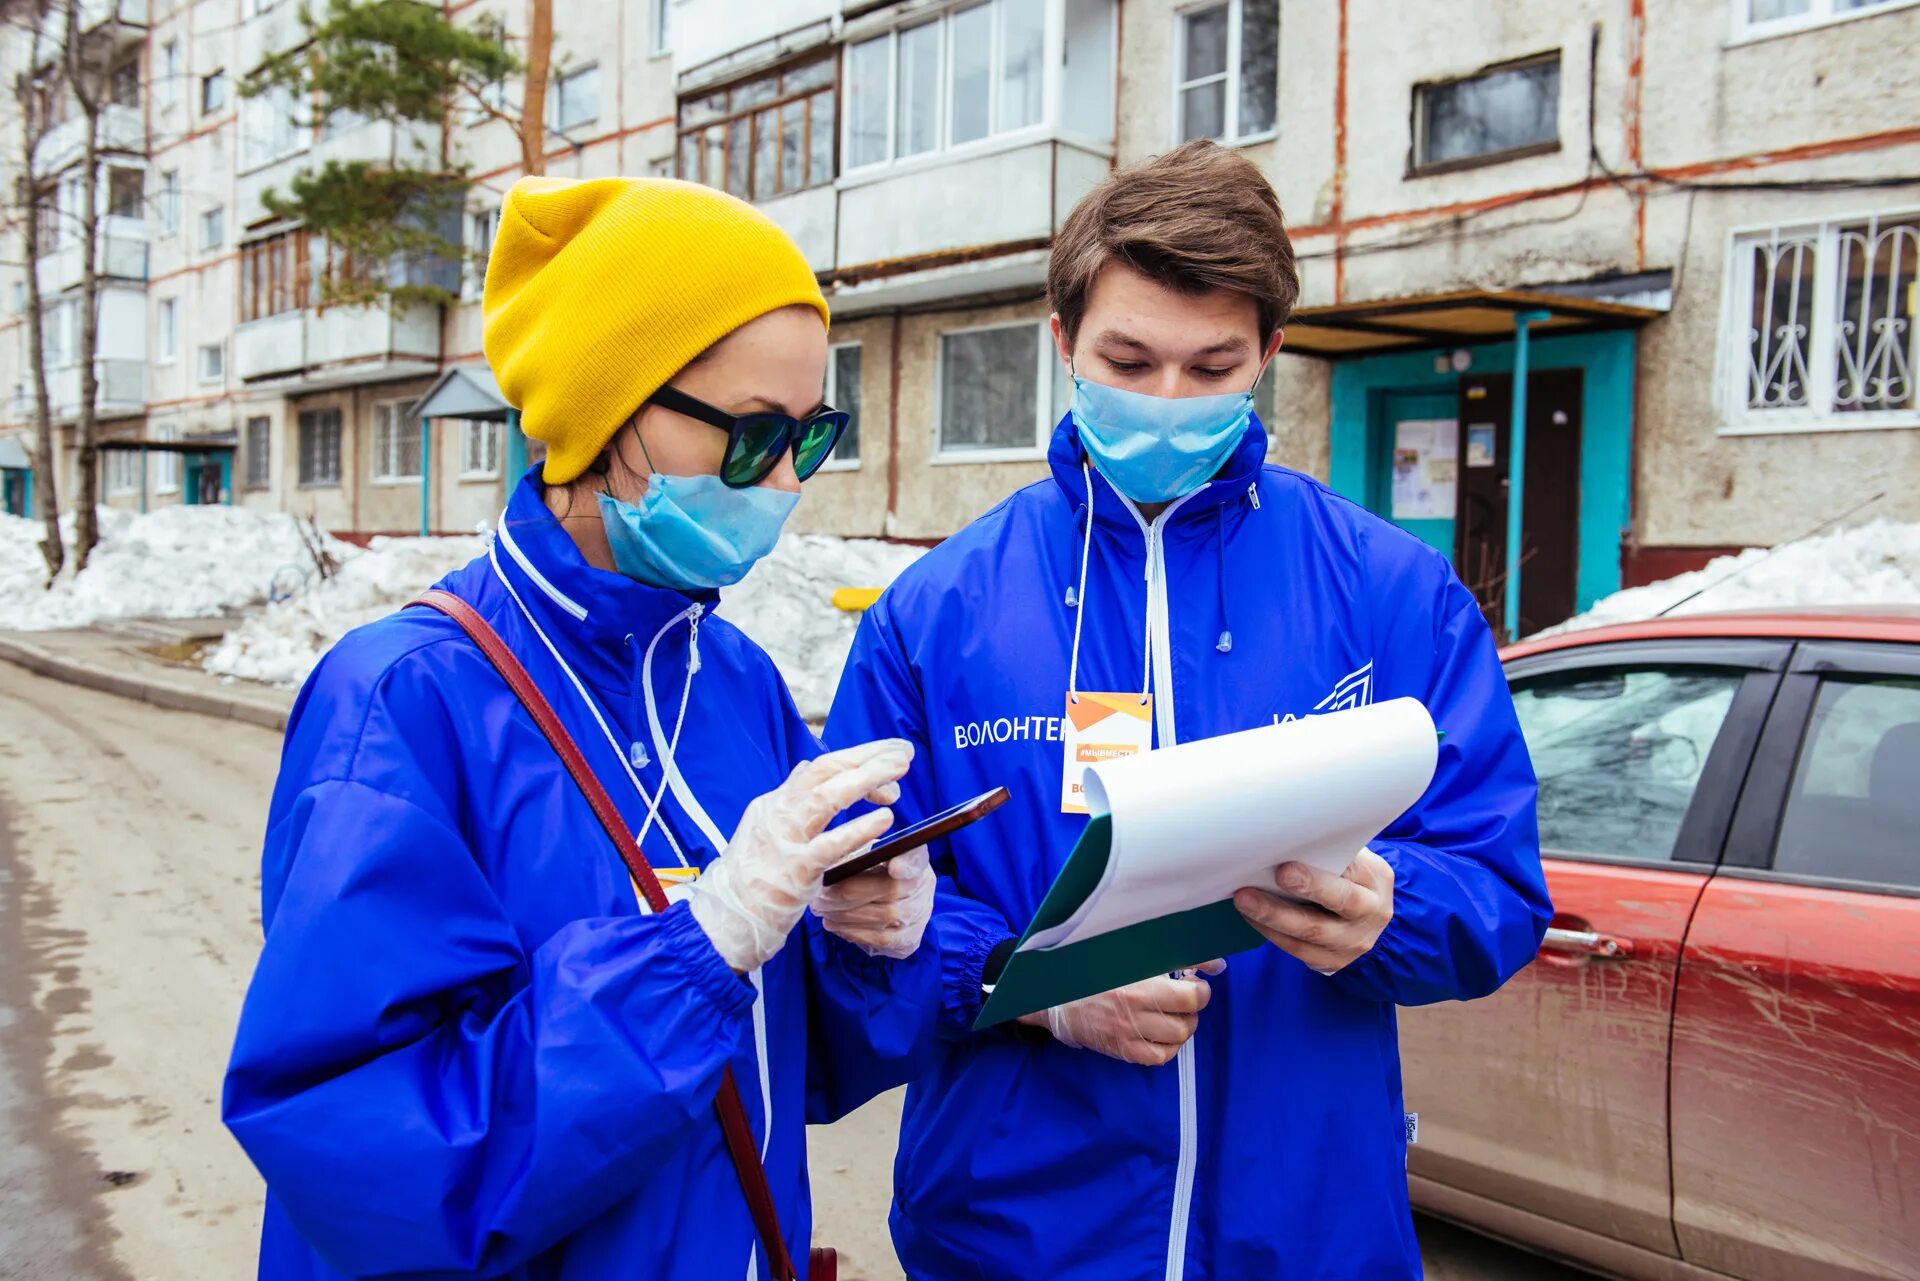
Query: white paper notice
{"type": "Point", "coordinates": [1194, 823]}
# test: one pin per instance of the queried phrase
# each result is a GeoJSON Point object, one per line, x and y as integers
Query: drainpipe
{"type": "Point", "coordinates": [1517, 466]}
{"type": "Point", "coordinates": [516, 451]}
{"type": "Point", "coordinates": [426, 476]}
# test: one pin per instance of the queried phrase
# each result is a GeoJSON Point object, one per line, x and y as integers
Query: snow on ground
{"type": "Point", "coordinates": [1874, 564]}
{"type": "Point", "coordinates": [785, 604]}
{"type": "Point", "coordinates": [177, 562]}
{"type": "Point", "coordinates": [282, 643]}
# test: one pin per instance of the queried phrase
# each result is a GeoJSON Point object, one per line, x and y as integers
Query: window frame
{"type": "Point", "coordinates": [217, 78]}
{"type": "Point", "coordinates": [945, 149]}
{"type": "Point", "coordinates": [171, 70]}
{"type": "Point", "coordinates": [1742, 29]}
{"type": "Point", "coordinates": [166, 464]}
{"type": "Point", "coordinates": [835, 462]}
{"type": "Point", "coordinates": [258, 473]}
{"type": "Point", "coordinates": [1702, 840]}
{"type": "Point", "coordinates": [1232, 77]}
{"type": "Point", "coordinates": [293, 284]}
{"type": "Point", "coordinates": [1737, 418]}
{"type": "Point", "coordinates": [200, 363]}
{"type": "Point", "coordinates": [474, 275]}
{"type": "Point", "coordinates": [1417, 118]}
{"type": "Point", "coordinates": [275, 106]}
{"type": "Point", "coordinates": [169, 202]}
{"type": "Point", "coordinates": [1763, 800]}
{"type": "Point", "coordinates": [379, 457]}
{"type": "Point", "coordinates": [560, 80]}
{"type": "Point", "coordinates": [166, 324]}
{"type": "Point", "coordinates": [140, 199]}
{"type": "Point", "coordinates": [218, 216]}
{"type": "Point", "coordinates": [333, 417]}
{"type": "Point", "coordinates": [749, 116]}
{"type": "Point", "coordinates": [497, 430]}
{"type": "Point", "coordinates": [659, 28]}
{"type": "Point", "coordinates": [125, 471]}
{"type": "Point", "coordinates": [1047, 356]}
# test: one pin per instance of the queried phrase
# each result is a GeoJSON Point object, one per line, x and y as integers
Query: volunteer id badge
{"type": "Point", "coordinates": [1101, 727]}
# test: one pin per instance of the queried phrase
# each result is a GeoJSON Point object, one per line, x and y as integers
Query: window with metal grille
{"type": "Point", "coordinates": [259, 447]}
{"type": "Point", "coordinates": [320, 447]}
{"type": "Point", "coordinates": [1498, 113]}
{"type": "Point", "coordinates": [479, 449]}
{"type": "Point", "coordinates": [1821, 332]}
{"type": "Point", "coordinates": [763, 137]}
{"type": "Point", "coordinates": [396, 442]}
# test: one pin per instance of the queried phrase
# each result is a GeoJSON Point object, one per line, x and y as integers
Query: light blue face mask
{"type": "Point", "coordinates": [1155, 449]}
{"type": "Point", "coordinates": [692, 533]}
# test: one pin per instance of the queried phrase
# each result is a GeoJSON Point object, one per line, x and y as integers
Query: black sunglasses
{"type": "Point", "coordinates": [755, 442]}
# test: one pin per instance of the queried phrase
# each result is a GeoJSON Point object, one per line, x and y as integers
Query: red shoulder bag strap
{"type": "Point", "coordinates": [733, 1116]}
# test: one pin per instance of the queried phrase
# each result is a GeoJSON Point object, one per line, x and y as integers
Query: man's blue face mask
{"type": "Point", "coordinates": [1154, 449]}
{"type": "Point", "coordinates": [693, 533]}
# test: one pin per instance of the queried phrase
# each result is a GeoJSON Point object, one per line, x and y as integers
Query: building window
{"type": "Point", "coordinates": [576, 97]}
{"type": "Point", "coordinates": [1500, 113]}
{"type": "Point", "coordinates": [1755, 18]}
{"type": "Point", "coordinates": [169, 202]}
{"type": "Point", "coordinates": [259, 448]}
{"type": "Point", "coordinates": [968, 74]}
{"type": "Point", "coordinates": [1227, 70]}
{"type": "Point", "coordinates": [47, 230]}
{"type": "Point", "coordinates": [991, 406]}
{"type": "Point", "coordinates": [123, 85]}
{"type": "Point", "coordinates": [270, 128]}
{"type": "Point", "coordinates": [482, 224]}
{"type": "Point", "coordinates": [126, 189]}
{"type": "Point", "coordinates": [213, 362]}
{"type": "Point", "coordinates": [213, 227]}
{"type": "Point", "coordinates": [167, 339]}
{"type": "Point", "coordinates": [213, 92]}
{"type": "Point", "coordinates": [19, 296]}
{"type": "Point", "coordinates": [169, 73]}
{"type": "Point", "coordinates": [843, 393]}
{"type": "Point", "coordinates": [274, 275]}
{"type": "Point", "coordinates": [479, 449]}
{"type": "Point", "coordinates": [762, 137]}
{"type": "Point", "coordinates": [320, 447]}
{"type": "Point", "coordinates": [1822, 328]}
{"type": "Point", "coordinates": [396, 442]}
{"type": "Point", "coordinates": [166, 464]}
{"type": "Point", "coordinates": [660, 23]}
{"type": "Point", "coordinates": [124, 471]}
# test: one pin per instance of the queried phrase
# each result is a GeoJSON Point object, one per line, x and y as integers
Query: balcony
{"type": "Point", "coordinates": [318, 347]}
{"type": "Point", "coordinates": [378, 141]}
{"type": "Point", "coordinates": [275, 31]}
{"type": "Point", "coordinates": [122, 391]}
{"type": "Point", "coordinates": [123, 256]}
{"type": "Point", "coordinates": [94, 16]}
{"type": "Point", "coordinates": [121, 129]}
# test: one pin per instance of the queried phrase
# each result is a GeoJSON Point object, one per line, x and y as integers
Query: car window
{"type": "Point", "coordinates": [1619, 752]}
{"type": "Point", "coordinates": [1853, 809]}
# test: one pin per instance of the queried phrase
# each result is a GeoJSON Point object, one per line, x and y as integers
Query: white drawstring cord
{"type": "Point", "coordinates": [1079, 603]}
{"type": "Point", "coordinates": [673, 744]}
{"type": "Point", "coordinates": [593, 706]}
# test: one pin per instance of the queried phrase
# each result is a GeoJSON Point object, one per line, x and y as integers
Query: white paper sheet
{"type": "Point", "coordinates": [1194, 823]}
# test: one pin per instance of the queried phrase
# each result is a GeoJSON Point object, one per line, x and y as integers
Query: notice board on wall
{"type": "Point", "coordinates": [1426, 462]}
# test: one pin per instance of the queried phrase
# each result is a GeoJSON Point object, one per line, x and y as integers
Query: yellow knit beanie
{"type": "Point", "coordinates": [598, 292]}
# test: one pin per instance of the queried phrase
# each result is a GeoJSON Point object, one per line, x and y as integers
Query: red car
{"type": "Point", "coordinates": [1713, 1068]}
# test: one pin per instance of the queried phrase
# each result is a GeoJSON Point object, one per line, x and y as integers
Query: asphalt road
{"type": "Point", "coordinates": [129, 841]}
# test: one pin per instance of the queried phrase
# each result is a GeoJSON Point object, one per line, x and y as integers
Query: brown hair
{"type": "Point", "coordinates": [1197, 219]}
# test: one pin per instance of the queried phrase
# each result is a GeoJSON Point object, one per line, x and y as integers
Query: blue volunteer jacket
{"type": "Point", "coordinates": [466, 1052]}
{"type": "Point", "coordinates": [1275, 1146]}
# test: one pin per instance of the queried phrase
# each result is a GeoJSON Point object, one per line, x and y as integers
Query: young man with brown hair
{"type": "Point", "coordinates": [1245, 1122]}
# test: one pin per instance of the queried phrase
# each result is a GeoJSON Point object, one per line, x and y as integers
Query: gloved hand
{"type": "Point", "coordinates": [749, 899]}
{"type": "Point", "coordinates": [882, 912]}
{"type": "Point", "coordinates": [1145, 1022]}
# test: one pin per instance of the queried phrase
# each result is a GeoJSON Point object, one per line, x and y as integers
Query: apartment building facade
{"type": "Point", "coordinates": [1690, 222]}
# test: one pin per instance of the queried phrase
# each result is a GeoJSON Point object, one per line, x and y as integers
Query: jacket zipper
{"type": "Point", "coordinates": [1160, 634]}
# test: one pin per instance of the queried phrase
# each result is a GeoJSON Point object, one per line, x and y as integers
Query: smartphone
{"type": "Point", "coordinates": [921, 833]}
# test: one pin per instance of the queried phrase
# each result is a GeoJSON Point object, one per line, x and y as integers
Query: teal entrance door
{"type": "Point", "coordinates": [1415, 447]}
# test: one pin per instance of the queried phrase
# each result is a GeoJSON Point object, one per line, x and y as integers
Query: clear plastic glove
{"type": "Point", "coordinates": [749, 899]}
{"type": "Point", "coordinates": [883, 912]}
{"type": "Point", "coordinates": [1145, 1022]}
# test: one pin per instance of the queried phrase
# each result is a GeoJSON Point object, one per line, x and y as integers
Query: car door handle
{"type": "Point", "coordinates": [1587, 943]}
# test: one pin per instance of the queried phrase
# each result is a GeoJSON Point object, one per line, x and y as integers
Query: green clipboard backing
{"type": "Point", "coordinates": [1041, 978]}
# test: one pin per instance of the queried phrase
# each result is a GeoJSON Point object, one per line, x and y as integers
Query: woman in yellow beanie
{"type": "Point", "coordinates": [504, 1027]}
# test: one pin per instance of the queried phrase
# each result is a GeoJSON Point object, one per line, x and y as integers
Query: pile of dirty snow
{"type": "Point", "coordinates": [282, 643]}
{"type": "Point", "coordinates": [786, 605]}
{"type": "Point", "coordinates": [1875, 564]}
{"type": "Point", "coordinates": [177, 562]}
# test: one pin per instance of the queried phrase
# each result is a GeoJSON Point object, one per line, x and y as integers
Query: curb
{"type": "Point", "coordinates": [42, 662]}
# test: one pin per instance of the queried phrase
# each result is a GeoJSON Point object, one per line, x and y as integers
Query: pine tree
{"type": "Point", "coordinates": [390, 225]}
